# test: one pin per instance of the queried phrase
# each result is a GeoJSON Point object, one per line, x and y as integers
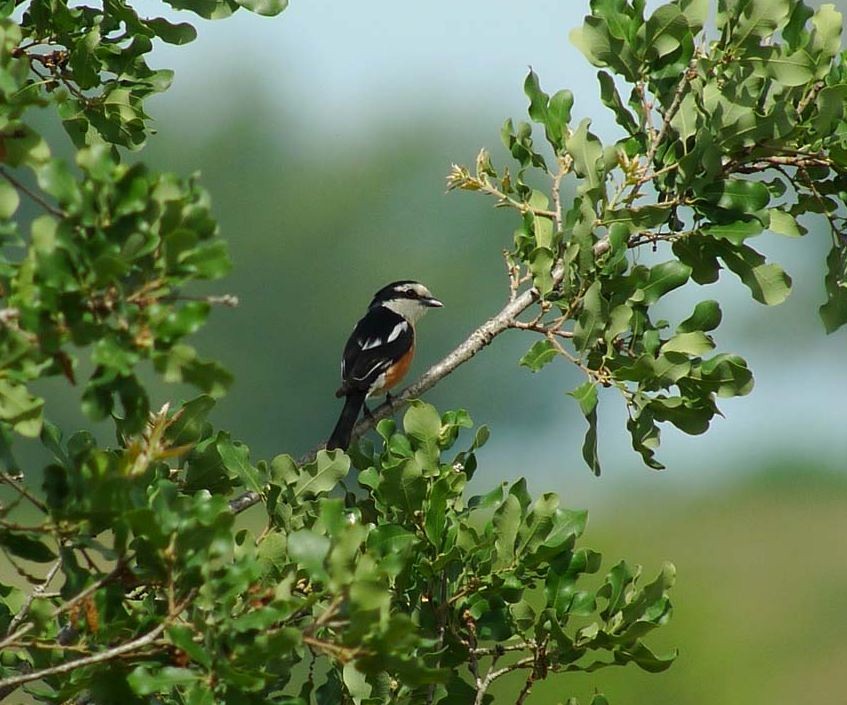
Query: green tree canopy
{"type": "Point", "coordinates": [376, 577]}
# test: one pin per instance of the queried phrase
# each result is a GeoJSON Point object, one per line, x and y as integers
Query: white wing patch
{"type": "Point", "coordinates": [371, 343]}
{"type": "Point", "coordinates": [367, 373]}
{"type": "Point", "coordinates": [398, 329]}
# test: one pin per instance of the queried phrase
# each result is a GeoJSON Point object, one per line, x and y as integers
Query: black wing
{"type": "Point", "coordinates": [378, 340]}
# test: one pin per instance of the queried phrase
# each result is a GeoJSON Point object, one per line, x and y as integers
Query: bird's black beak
{"type": "Point", "coordinates": [432, 302]}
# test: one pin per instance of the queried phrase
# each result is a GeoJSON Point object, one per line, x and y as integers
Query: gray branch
{"type": "Point", "coordinates": [7, 685]}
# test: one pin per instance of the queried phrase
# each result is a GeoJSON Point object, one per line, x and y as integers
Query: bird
{"type": "Point", "coordinates": [379, 351]}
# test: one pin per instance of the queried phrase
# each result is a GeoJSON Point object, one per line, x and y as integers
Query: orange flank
{"type": "Point", "coordinates": [398, 370]}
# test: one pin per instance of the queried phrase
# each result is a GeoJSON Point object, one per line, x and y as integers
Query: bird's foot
{"type": "Point", "coordinates": [367, 412]}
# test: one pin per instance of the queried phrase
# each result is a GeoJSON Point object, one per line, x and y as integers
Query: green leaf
{"type": "Point", "coordinates": [322, 475]}
{"type": "Point", "coordinates": [768, 283]}
{"type": "Point", "coordinates": [208, 261]}
{"type": "Point", "coordinates": [182, 638]}
{"type": "Point", "coordinates": [387, 539]}
{"type": "Point", "coordinates": [646, 659]}
{"type": "Point", "coordinates": [602, 40]}
{"type": "Point", "coordinates": [26, 545]}
{"type": "Point", "coordinates": [309, 549]}
{"type": "Point", "coordinates": [707, 316]}
{"type": "Point", "coordinates": [507, 520]}
{"type": "Point", "coordinates": [568, 524]}
{"type": "Point", "coordinates": [785, 224]}
{"type": "Point", "coordinates": [729, 375]}
{"type": "Point", "coordinates": [738, 195]}
{"type": "Point", "coordinates": [541, 353]}
{"type": "Point", "coordinates": [180, 33]}
{"type": "Point", "coordinates": [538, 99]}
{"type": "Point", "coordinates": [404, 486]}
{"type": "Point", "coordinates": [20, 408]}
{"type": "Point", "coordinates": [645, 437]}
{"type": "Point", "coordinates": [614, 587]}
{"type": "Point", "coordinates": [696, 12]}
{"type": "Point", "coordinates": [355, 682]}
{"type": "Point", "coordinates": [269, 8]}
{"type": "Point", "coordinates": [690, 416]}
{"type": "Point", "coordinates": [182, 364]}
{"type": "Point", "coordinates": [592, 320]}
{"type": "Point", "coordinates": [586, 395]}
{"type": "Point", "coordinates": [736, 232]}
{"type": "Point", "coordinates": [272, 554]}
{"type": "Point", "coordinates": [542, 226]}
{"type": "Point", "coordinates": [56, 179]}
{"type": "Point", "coordinates": [587, 151]}
{"type": "Point", "coordinates": [666, 29]}
{"type": "Point", "coordinates": [699, 254]}
{"type": "Point", "coordinates": [795, 69]}
{"type": "Point", "coordinates": [611, 99]}
{"type": "Point", "coordinates": [145, 681]}
{"type": "Point", "coordinates": [541, 265]}
{"type": "Point", "coordinates": [663, 278]}
{"type": "Point", "coordinates": [9, 199]}
{"type": "Point", "coordinates": [758, 19]}
{"type": "Point", "coordinates": [834, 312]}
{"type": "Point", "coordinates": [422, 422]}
{"type": "Point", "coordinates": [210, 9]}
{"type": "Point", "coordinates": [236, 458]}
{"type": "Point", "coordinates": [190, 422]}
{"type": "Point", "coordinates": [830, 104]}
{"type": "Point", "coordinates": [559, 112]}
{"type": "Point", "coordinates": [826, 39]}
{"type": "Point", "coordinates": [693, 343]}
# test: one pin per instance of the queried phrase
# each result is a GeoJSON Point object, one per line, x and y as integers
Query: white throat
{"type": "Point", "coordinates": [410, 309]}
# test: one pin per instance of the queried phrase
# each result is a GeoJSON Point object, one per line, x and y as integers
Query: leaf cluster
{"type": "Point", "coordinates": [392, 586]}
{"type": "Point", "coordinates": [723, 138]}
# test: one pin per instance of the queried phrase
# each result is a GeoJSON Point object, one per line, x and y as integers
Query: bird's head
{"type": "Point", "coordinates": [408, 298]}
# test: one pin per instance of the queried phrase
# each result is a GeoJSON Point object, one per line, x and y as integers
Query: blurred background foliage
{"type": "Point", "coordinates": [324, 137]}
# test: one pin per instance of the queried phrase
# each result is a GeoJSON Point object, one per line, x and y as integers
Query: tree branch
{"type": "Point", "coordinates": [8, 685]}
{"type": "Point", "coordinates": [32, 194]}
{"type": "Point", "coordinates": [66, 606]}
{"type": "Point", "coordinates": [689, 75]}
{"type": "Point", "coordinates": [23, 491]}
{"type": "Point", "coordinates": [492, 675]}
{"type": "Point", "coordinates": [38, 591]}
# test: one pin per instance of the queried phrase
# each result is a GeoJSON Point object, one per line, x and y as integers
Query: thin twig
{"type": "Point", "coordinates": [538, 328]}
{"type": "Point", "coordinates": [66, 606]}
{"type": "Point", "coordinates": [527, 686]}
{"type": "Point", "coordinates": [501, 649]}
{"type": "Point", "coordinates": [492, 675]}
{"type": "Point", "coordinates": [7, 685]}
{"type": "Point", "coordinates": [810, 96]}
{"type": "Point", "coordinates": [23, 491]}
{"type": "Point", "coordinates": [32, 194]}
{"type": "Point", "coordinates": [228, 300]}
{"type": "Point", "coordinates": [38, 591]}
{"type": "Point", "coordinates": [689, 75]}
{"type": "Point", "coordinates": [342, 653]}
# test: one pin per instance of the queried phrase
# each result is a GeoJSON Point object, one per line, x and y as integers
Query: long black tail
{"type": "Point", "coordinates": [340, 437]}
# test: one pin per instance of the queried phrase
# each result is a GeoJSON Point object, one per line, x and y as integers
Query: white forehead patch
{"type": "Point", "coordinates": [419, 289]}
